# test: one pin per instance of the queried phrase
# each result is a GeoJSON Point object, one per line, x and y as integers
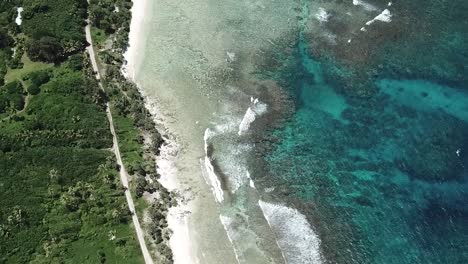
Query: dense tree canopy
{"type": "Point", "coordinates": [59, 192]}
{"type": "Point", "coordinates": [54, 28]}
{"type": "Point", "coordinates": [47, 49]}
{"type": "Point", "coordinates": [5, 39]}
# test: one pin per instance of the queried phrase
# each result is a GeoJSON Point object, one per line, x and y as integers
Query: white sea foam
{"type": "Point", "coordinates": [385, 16]}
{"type": "Point", "coordinates": [177, 217]}
{"type": "Point", "coordinates": [248, 119]}
{"type": "Point", "coordinates": [206, 136]}
{"type": "Point", "coordinates": [231, 56]}
{"type": "Point", "coordinates": [166, 164]}
{"type": "Point", "coordinates": [251, 182]}
{"type": "Point", "coordinates": [234, 165]}
{"type": "Point", "coordinates": [227, 124]}
{"type": "Point", "coordinates": [295, 236]}
{"type": "Point", "coordinates": [212, 178]}
{"type": "Point", "coordinates": [365, 5]}
{"type": "Point", "coordinates": [255, 109]}
{"type": "Point", "coordinates": [226, 221]}
{"type": "Point", "coordinates": [232, 157]}
{"type": "Point", "coordinates": [213, 181]}
{"type": "Point", "coordinates": [322, 15]}
{"type": "Point", "coordinates": [19, 19]}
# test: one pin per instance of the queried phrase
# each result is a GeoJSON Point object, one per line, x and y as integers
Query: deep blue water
{"type": "Point", "coordinates": [383, 178]}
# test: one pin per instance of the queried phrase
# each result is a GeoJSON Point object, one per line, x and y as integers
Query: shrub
{"type": "Point", "coordinates": [75, 62]}
{"type": "Point", "coordinates": [34, 89]}
{"type": "Point", "coordinates": [39, 77]}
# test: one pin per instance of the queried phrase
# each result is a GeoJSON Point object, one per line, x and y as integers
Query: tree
{"type": "Point", "coordinates": [33, 89]}
{"type": "Point", "coordinates": [140, 186]}
{"type": "Point", "coordinates": [5, 39]}
{"type": "Point", "coordinates": [3, 105]}
{"type": "Point", "coordinates": [18, 103]}
{"type": "Point", "coordinates": [54, 176]}
{"type": "Point", "coordinates": [75, 62]}
{"type": "Point", "coordinates": [39, 77]}
{"type": "Point", "coordinates": [102, 256]}
{"type": "Point", "coordinates": [47, 49]}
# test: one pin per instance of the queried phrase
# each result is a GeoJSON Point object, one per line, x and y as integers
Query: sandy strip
{"type": "Point", "coordinates": [131, 54]}
{"type": "Point", "coordinates": [177, 218]}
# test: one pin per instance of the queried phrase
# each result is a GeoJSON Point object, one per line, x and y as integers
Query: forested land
{"type": "Point", "coordinates": [60, 195]}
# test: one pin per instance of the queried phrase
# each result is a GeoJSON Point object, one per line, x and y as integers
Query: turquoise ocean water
{"type": "Point", "coordinates": [352, 112]}
{"type": "Point", "coordinates": [376, 152]}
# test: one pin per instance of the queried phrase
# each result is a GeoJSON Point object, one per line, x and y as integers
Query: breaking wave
{"type": "Point", "coordinates": [226, 170]}
{"type": "Point", "coordinates": [226, 221]}
{"type": "Point", "coordinates": [255, 109]}
{"type": "Point", "coordinates": [296, 238]}
{"type": "Point", "coordinates": [212, 179]}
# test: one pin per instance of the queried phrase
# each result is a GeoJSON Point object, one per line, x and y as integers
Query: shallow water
{"type": "Point", "coordinates": [296, 124]}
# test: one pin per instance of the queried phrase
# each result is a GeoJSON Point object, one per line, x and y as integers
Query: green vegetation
{"type": "Point", "coordinates": [7, 25]}
{"type": "Point", "coordinates": [28, 66]}
{"type": "Point", "coordinates": [139, 140]}
{"type": "Point", "coordinates": [54, 28]}
{"type": "Point", "coordinates": [130, 141]}
{"type": "Point", "coordinates": [11, 98]}
{"type": "Point", "coordinates": [110, 15]}
{"type": "Point", "coordinates": [113, 18]}
{"type": "Point", "coordinates": [99, 37]}
{"type": "Point", "coordinates": [60, 185]}
{"type": "Point", "coordinates": [60, 194]}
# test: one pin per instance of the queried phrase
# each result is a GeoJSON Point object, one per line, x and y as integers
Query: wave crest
{"type": "Point", "coordinates": [296, 238]}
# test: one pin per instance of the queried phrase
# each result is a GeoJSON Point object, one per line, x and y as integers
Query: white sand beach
{"type": "Point", "coordinates": [197, 234]}
{"type": "Point", "coordinates": [192, 63]}
{"type": "Point", "coordinates": [138, 16]}
{"type": "Point", "coordinates": [180, 241]}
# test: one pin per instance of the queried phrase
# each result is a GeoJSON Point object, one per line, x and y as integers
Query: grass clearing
{"type": "Point", "coordinates": [128, 136]}
{"type": "Point", "coordinates": [29, 66]}
{"type": "Point", "coordinates": [99, 37]}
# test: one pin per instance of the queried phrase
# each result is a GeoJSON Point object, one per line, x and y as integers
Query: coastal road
{"type": "Point", "coordinates": [123, 172]}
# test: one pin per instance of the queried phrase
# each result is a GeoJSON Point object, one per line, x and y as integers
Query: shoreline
{"type": "Point", "coordinates": [124, 177]}
{"type": "Point", "coordinates": [180, 242]}
{"type": "Point", "coordinates": [130, 55]}
{"type": "Point", "coordinates": [196, 218]}
{"type": "Point", "coordinates": [169, 92]}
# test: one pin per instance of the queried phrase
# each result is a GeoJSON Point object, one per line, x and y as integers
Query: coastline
{"type": "Point", "coordinates": [131, 54]}
{"type": "Point", "coordinates": [236, 132]}
{"type": "Point", "coordinates": [195, 87]}
{"type": "Point", "coordinates": [180, 242]}
{"type": "Point", "coordinates": [197, 217]}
